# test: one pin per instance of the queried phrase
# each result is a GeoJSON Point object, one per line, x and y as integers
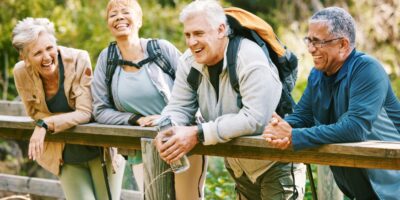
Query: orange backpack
{"type": "Point", "coordinates": [247, 25]}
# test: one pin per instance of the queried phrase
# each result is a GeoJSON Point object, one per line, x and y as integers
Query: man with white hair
{"type": "Point", "coordinates": [206, 32]}
{"type": "Point", "coordinates": [348, 99]}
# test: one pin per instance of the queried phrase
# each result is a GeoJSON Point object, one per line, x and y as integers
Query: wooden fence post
{"type": "Point", "coordinates": [158, 178]}
{"type": "Point", "coordinates": [327, 188]}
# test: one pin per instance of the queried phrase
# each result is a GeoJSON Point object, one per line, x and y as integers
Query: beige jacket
{"type": "Point", "coordinates": [78, 77]}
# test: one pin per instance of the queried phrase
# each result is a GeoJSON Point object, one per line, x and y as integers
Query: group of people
{"type": "Point", "coordinates": [348, 99]}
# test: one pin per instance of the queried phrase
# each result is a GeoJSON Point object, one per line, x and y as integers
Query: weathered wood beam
{"type": "Point", "coordinates": [45, 187]}
{"type": "Point", "coordinates": [12, 108]}
{"type": "Point", "coordinates": [370, 154]}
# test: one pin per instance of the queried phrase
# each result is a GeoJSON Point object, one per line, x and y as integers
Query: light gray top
{"type": "Point", "coordinates": [103, 111]}
{"type": "Point", "coordinates": [138, 95]}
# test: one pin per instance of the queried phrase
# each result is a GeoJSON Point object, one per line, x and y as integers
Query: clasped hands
{"type": "Point", "coordinates": [278, 132]}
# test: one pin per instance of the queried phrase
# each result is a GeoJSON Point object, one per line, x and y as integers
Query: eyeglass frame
{"type": "Point", "coordinates": [319, 43]}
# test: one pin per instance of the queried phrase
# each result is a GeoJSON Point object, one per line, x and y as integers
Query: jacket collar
{"type": "Point", "coordinates": [345, 67]}
{"type": "Point", "coordinates": [69, 67]}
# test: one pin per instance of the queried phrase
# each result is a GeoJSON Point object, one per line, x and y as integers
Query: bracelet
{"type": "Point", "coordinates": [200, 133]}
{"type": "Point", "coordinates": [133, 119]}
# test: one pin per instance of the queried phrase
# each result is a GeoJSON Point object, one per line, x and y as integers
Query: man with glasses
{"type": "Point", "coordinates": [348, 99]}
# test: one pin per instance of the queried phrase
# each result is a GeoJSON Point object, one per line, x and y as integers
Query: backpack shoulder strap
{"type": "Point", "coordinates": [231, 55]}
{"type": "Point", "coordinates": [194, 78]}
{"type": "Point", "coordinates": [155, 53]}
{"type": "Point", "coordinates": [112, 60]}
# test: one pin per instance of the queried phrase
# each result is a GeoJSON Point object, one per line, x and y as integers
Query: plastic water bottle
{"type": "Point", "coordinates": [182, 164]}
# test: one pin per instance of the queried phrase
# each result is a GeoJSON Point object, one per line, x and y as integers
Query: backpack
{"type": "Point", "coordinates": [155, 55]}
{"type": "Point", "coordinates": [247, 25]}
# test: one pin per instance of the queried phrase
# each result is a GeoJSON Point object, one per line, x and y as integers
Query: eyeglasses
{"type": "Point", "coordinates": [319, 43]}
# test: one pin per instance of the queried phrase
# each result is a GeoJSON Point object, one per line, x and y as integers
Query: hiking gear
{"type": "Point", "coordinates": [155, 55]}
{"type": "Point", "coordinates": [247, 25]}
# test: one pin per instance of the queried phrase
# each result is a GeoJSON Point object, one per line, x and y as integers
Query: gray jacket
{"type": "Point", "coordinates": [103, 111]}
{"type": "Point", "coordinates": [260, 88]}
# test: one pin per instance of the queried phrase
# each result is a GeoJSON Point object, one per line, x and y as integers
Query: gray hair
{"type": "Point", "coordinates": [29, 29]}
{"type": "Point", "coordinates": [340, 22]}
{"type": "Point", "coordinates": [210, 9]}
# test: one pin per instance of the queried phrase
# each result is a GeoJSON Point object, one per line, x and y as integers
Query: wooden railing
{"type": "Point", "coordinates": [45, 187]}
{"type": "Point", "coordinates": [370, 154]}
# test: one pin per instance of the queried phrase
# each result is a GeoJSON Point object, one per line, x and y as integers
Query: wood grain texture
{"type": "Point", "coordinates": [12, 108]}
{"type": "Point", "coordinates": [370, 154]}
{"type": "Point", "coordinates": [158, 179]}
{"type": "Point", "coordinates": [45, 187]}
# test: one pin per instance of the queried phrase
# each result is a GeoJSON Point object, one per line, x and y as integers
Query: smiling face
{"type": "Point", "coordinates": [41, 54]}
{"type": "Point", "coordinates": [206, 43]}
{"type": "Point", "coordinates": [123, 20]}
{"type": "Point", "coordinates": [330, 57]}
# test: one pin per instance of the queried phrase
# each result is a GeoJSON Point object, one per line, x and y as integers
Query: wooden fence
{"type": "Point", "coordinates": [46, 187]}
{"type": "Point", "coordinates": [370, 154]}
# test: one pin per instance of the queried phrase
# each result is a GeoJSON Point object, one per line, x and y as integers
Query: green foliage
{"type": "Point", "coordinates": [162, 22]}
{"type": "Point", "coordinates": [82, 24]}
{"type": "Point", "coordinates": [219, 184]}
{"type": "Point", "coordinates": [308, 192]}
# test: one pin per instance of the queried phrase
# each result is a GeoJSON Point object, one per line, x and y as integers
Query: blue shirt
{"type": "Point", "coordinates": [356, 104]}
{"type": "Point", "coordinates": [138, 94]}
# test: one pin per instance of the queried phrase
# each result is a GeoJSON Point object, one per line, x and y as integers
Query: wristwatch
{"type": "Point", "coordinates": [133, 119]}
{"type": "Point", "coordinates": [41, 123]}
{"type": "Point", "coordinates": [200, 133]}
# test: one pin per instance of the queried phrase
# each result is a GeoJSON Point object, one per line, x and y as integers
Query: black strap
{"type": "Point", "coordinates": [194, 78]}
{"type": "Point", "coordinates": [137, 65]}
{"type": "Point", "coordinates": [203, 161]}
{"type": "Point", "coordinates": [112, 59]}
{"type": "Point", "coordinates": [154, 51]}
{"type": "Point", "coordinates": [231, 54]}
{"type": "Point", "coordinates": [312, 184]}
{"type": "Point", "coordinates": [260, 42]}
{"type": "Point", "coordinates": [105, 174]}
{"type": "Point", "coordinates": [155, 55]}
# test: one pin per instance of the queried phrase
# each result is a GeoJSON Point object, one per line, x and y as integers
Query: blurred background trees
{"type": "Point", "coordinates": [81, 24]}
